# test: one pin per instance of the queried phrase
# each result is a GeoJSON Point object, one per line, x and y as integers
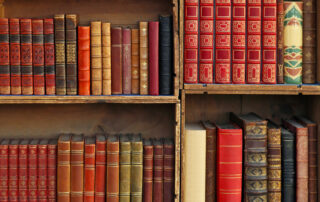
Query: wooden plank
{"type": "Point", "coordinates": [176, 47]}
{"type": "Point", "coordinates": [310, 89]}
{"type": "Point", "coordinates": [183, 102]}
{"type": "Point", "coordinates": [177, 152]}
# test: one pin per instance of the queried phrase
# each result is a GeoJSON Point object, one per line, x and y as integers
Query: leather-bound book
{"type": "Point", "coordinates": [125, 168]}
{"type": "Point", "coordinates": [136, 168]}
{"type": "Point", "coordinates": [15, 68]}
{"type": "Point", "coordinates": [96, 58]}
{"type": "Point", "coordinates": [106, 58]}
{"type": "Point", "coordinates": [23, 171]}
{"type": "Point", "coordinates": [135, 62]}
{"type": "Point", "coordinates": [116, 60]}
{"type": "Point", "coordinates": [168, 172]}
{"type": "Point", "coordinates": [288, 165]}
{"type": "Point", "coordinates": [147, 170]}
{"type": "Point", "coordinates": [229, 162]}
{"type": "Point", "coordinates": [63, 168]}
{"type": "Point", "coordinates": [100, 182]}
{"type": "Point", "coordinates": [4, 168]}
{"type": "Point", "coordinates": [144, 62]}
{"type": "Point", "coordinates": [153, 58]}
{"type": "Point", "coordinates": [52, 170]}
{"type": "Point", "coordinates": [312, 157]}
{"type": "Point", "coordinates": [33, 170]}
{"type": "Point", "coordinates": [112, 169]}
{"type": "Point", "coordinates": [49, 59]}
{"type": "Point", "coordinates": [223, 41]}
{"type": "Point", "coordinates": [157, 170]}
{"type": "Point", "coordinates": [84, 60]}
{"type": "Point", "coordinates": [26, 56]}
{"type": "Point", "coordinates": [126, 61]}
{"type": "Point", "coordinates": [318, 43]}
{"type": "Point", "coordinates": [191, 41]}
{"type": "Point", "coordinates": [280, 19]}
{"type": "Point", "coordinates": [254, 156]}
{"type": "Point", "coordinates": [43, 170]}
{"type": "Point", "coordinates": [165, 55]}
{"type": "Point", "coordinates": [210, 160]}
{"type": "Point", "coordinates": [13, 170]}
{"type": "Point", "coordinates": [89, 168]}
{"type": "Point", "coordinates": [301, 133]}
{"type": "Point", "coordinates": [71, 54]}
{"type": "Point", "coordinates": [76, 166]}
{"type": "Point", "coordinates": [5, 58]}
{"type": "Point", "coordinates": [274, 162]}
{"type": "Point", "coordinates": [60, 53]}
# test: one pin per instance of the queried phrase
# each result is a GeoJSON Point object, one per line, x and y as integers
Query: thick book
{"type": "Point", "coordinates": [15, 56]}
{"type": "Point", "coordinates": [43, 170]}
{"type": "Point", "coordinates": [153, 28]}
{"type": "Point", "coordinates": [191, 41]}
{"type": "Point", "coordinates": [84, 60]}
{"type": "Point", "coordinates": [89, 169]}
{"type": "Point", "coordinates": [5, 58]}
{"type": "Point", "coordinates": [33, 170]}
{"type": "Point", "coordinates": [254, 156]}
{"type": "Point", "coordinates": [13, 170]}
{"type": "Point", "coordinates": [112, 183]}
{"type": "Point", "coordinates": [76, 168]}
{"type": "Point", "coordinates": [168, 170]}
{"type": "Point", "coordinates": [49, 60]}
{"type": "Point", "coordinates": [135, 62]}
{"type": "Point", "coordinates": [52, 170]}
{"type": "Point", "coordinates": [125, 168]}
{"type": "Point", "coordinates": [4, 168]}
{"type": "Point", "coordinates": [116, 60]}
{"type": "Point", "coordinates": [96, 58]}
{"type": "Point", "coordinates": [301, 133]}
{"type": "Point", "coordinates": [157, 170]}
{"type": "Point", "coordinates": [136, 168]}
{"type": "Point", "coordinates": [229, 162]}
{"type": "Point", "coordinates": [280, 38]}
{"type": "Point", "coordinates": [144, 64]}
{"type": "Point", "coordinates": [126, 61]}
{"type": "Point", "coordinates": [106, 58]}
{"type": "Point", "coordinates": [147, 170]}
{"type": "Point", "coordinates": [193, 159]}
{"type": "Point", "coordinates": [23, 171]}
{"type": "Point", "coordinates": [100, 176]}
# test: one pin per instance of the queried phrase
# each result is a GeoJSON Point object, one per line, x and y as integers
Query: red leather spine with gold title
{"type": "Point", "coordinates": [84, 60]}
{"type": "Point", "coordinates": [13, 170]}
{"type": "Point", "coordinates": [33, 171]}
{"type": "Point", "coordinates": [4, 57]}
{"type": "Point", "coordinates": [23, 171]}
{"type": "Point", "coordinates": [42, 170]}
{"type": "Point", "coordinates": [126, 61]}
{"type": "Point", "coordinates": [113, 149]}
{"type": "Point", "coordinates": [52, 170]}
{"type": "Point", "coordinates": [158, 171]}
{"type": "Point", "coordinates": [4, 163]}
{"type": "Point", "coordinates": [168, 171]}
{"type": "Point", "coordinates": [100, 182]}
{"type": "Point", "coordinates": [269, 42]}
{"type": "Point", "coordinates": [89, 169]}
{"type": "Point", "coordinates": [147, 170]}
{"type": "Point", "coordinates": [49, 57]}
{"type": "Point", "coordinates": [38, 57]}
{"type": "Point", "coordinates": [206, 41]}
{"type": "Point", "coordinates": [77, 168]}
{"type": "Point", "coordinates": [239, 42]}
{"type": "Point", "coordinates": [223, 41]}
{"type": "Point", "coordinates": [15, 68]}
{"type": "Point", "coordinates": [191, 29]}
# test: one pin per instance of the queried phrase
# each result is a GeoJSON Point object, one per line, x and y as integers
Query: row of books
{"type": "Point", "coordinates": [55, 56]}
{"type": "Point", "coordinates": [246, 41]}
{"type": "Point", "coordinates": [77, 168]}
{"type": "Point", "coordinates": [250, 159]}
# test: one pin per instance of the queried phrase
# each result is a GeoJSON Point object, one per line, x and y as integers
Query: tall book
{"type": "Point", "coordinates": [89, 168]}
{"type": "Point", "coordinates": [43, 170]}
{"type": "Point", "coordinates": [52, 170]}
{"type": "Point", "coordinates": [96, 58]}
{"type": "Point", "coordinates": [116, 60]}
{"type": "Point", "coordinates": [125, 168]}
{"type": "Point", "coordinates": [5, 58]}
{"type": "Point", "coordinates": [100, 176]}
{"type": "Point", "coordinates": [23, 171]}
{"type": "Point", "coordinates": [112, 183]}
{"type": "Point", "coordinates": [33, 170]}
{"type": "Point", "coordinates": [49, 61]}
{"type": "Point", "coordinates": [84, 60]}
{"type": "Point", "coordinates": [255, 156]}
{"type": "Point", "coordinates": [13, 170]}
{"type": "Point", "coordinates": [15, 56]}
{"type": "Point", "coordinates": [126, 61]}
{"type": "Point", "coordinates": [280, 38]}
{"type": "Point", "coordinates": [158, 170]}
{"type": "Point", "coordinates": [136, 168]}
{"type": "Point", "coordinates": [76, 168]}
{"type": "Point", "coordinates": [106, 58]}
{"type": "Point", "coordinates": [143, 36]}
{"type": "Point", "coordinates": [191, 41]}
{"type": "Point", "coordinates": [153, 28]}
{"type": "Point", "coordinates": [318, 43]}
{"type": "Point", "coordinates": [168, 170]}
{"type": "Point", "coordinates": [147, 170]}
{"type": "Point", "coordinates": [135, 62]}
{"type": "Point", "coordinates": [229, 162]}
{"type": "Point", "coordinates": [4, 168]}
{"type": "Point", "coordinates": [301, 133]}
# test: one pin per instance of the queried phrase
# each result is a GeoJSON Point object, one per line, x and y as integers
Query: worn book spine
{"type": "Point", "coordinates": [112, 169]}
{"type": "Point", "coordinates": [60, 53]}
{"type": "Point", "coordinates": [15, 56]}
{"type": "Point", "coordinates": [100, 176]}
{"type": "Point", "coordinates": [71, 54]}
{"type": "Point", "coordinates": [89, 169]}
{"type": "Point", "coordinates": [13, 170]}
{"type": "Point", "coordinates": [23, 171]}
{"type": "Point", "coordinates": [153, 28]}
{"type": "Point", "coordinates": [280, 38]}
{"type": "Point", "coordinates": [158, 171]}
{"type": "Point", "coordinates": [96, 58]}
{"type": "Point", "coordinates": [126, 61]}
{"type": "Point", "coordinates": [5, 58]}
{"type": "Point", "coordinates": [147, 170]}
{"type": "Point", "coordinates": [223, 41]}
{"type": "Point", "coordinates": [135, 62]}
{"type": "Point", "coordinates": [116, 60]}
{"type": "Point", "coordinates": [168, 171]}
{"type": "Point", "coordinates": [4, 167]}
{"type": "Point", "coordinates": [136, 169]}
{"type": "Point", "coordinates": [191, 41]}
{"type": "Point", "coordinates": [124, 169]}
{"type": "Point", "coordinates": [43, 171]}
{"type": "Point", "coordinates": [84, 60]}
{"type": "Point", "coordinates": [293, 22]}
{"type": "Point", "coordinates": [318, 45]}
{"type": "Point", "coordinates": [144, 65]}
{"type": "Point", "coordinates": [49, 61]}
{"type": "Point", "coordinates": [106, 58]}
{"type": "Point", "coordinates": [76, 169]}
{"type": "Point", "coordinates": [33, 171]}
{"type": "Point", "coordinates": [63, 168]}
{"type": "Point", "coordinates": [52, 170]}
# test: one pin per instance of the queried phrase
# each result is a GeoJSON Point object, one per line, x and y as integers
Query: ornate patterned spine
{"type": "Point", "coordinates": [15, 67]}
{"type": "Point", "coordinates": [52, 170]}
{"type": "Point", "coordinates": [84, 60]}
{"type": "Point", "coordinates": [147, 170]}
{"type": "Point", "coordinates": [49, 61]}
{"type": "Point", "coordinates": [77, 168]}
{"type": "Point", "coordinates": [33, 171]}
{"type": "Point", "coordinates": [96, 58]}
{"type": "Point", "coordinates": [135, 60]}
{"type": "Point", "coordinates": [89, 169]}
{"type": "Point", "coordinates": [42, 171]}
{"type": "Point", "coordinates": [125, 167]}
{"type": "Point", "coordinates": [106, 58]}
{"type": "Point", "coordinates": [4, 57]}
{"type": "Point", "coordinates": [158, 171]}
{"type": "Point", "coordinates": [280, 38]}
{"type": "Point", "coordinates": [112, 169]}
{"type": "Point", "coordinates": [13, 170]}
{"type": "Point", "coordinates": [23, 171]}
{"type": "Point", "coordinates": [143, 26]}
{"type": "Point", "coordinates": [4, 167]}
{"type": "Point", "coordinates": [126, 61]}
{"type": "Point", "coordinates": [136, 168]}
{"type": "Point", "coordinates": [168, 172]}
{"type": "Point", "coordinates": [100, 182]}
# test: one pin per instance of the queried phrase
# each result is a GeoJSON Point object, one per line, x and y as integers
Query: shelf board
{"type": "Point", "coordinates": [310, 89]}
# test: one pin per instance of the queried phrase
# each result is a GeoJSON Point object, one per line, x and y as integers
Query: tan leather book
{"type": "Point", "coordinates": [143, 58]}
{"type": "Point", "coordinates": [96, 58]}
{"type": "Point", "coordinates": [113, 169]}
{"type": "Point", "coordinates": [135, 62]}
{"type": "Point", "coordinates": [125, 166]}
{"type": "Point", "coordinates": [106, 59]}
{"type": "Point", "coordinates": [77, 147]}
{"type": "Point", "coordinates": [63, 168]}
{"type": "Point", "coordinates": [136, 168]}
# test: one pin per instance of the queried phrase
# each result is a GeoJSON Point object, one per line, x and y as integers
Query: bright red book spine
{"type": "Point", "coordinates": [15, 56]}
{"type": "Point", "coordinates": [52, 171]}
{"type": "Point", "coordinates": [33, 172]}
{"type": "Point", "coordinates": [254, 41]}
{"type": "Point", "coordinates": [239, 42]}
{"type": "Point", "coordinates": [42, 171]}
{"type": "Point", "coordinates": [191, 29]}
{"type": "Point", "coordinates": [49, 56]}
{"type": "Point", "coordinates": [4, 57]}
{"type": "Point", "coordinates": [100, 182]}
{"type": "Point", "coordinates": [13, 170]}
{"type": "Point", "coordinates": [223, 41]}
{"type": "Point", "coordinates": [89, 171]}
{"type": "Point", "coordinates": [158, 172]}
{"type": "Point", "coordinates": [153, 58]}
{"type": "Point", "coordinates": [84, 60]}
{"type": "Point", "coordinates": [23, 171]}
{"type": "Point", "coordinates": [4, 164]}
{"type": "Point", "coordinates": [126, 61]}
{"type": "Point", "coordinates": [269, 42]}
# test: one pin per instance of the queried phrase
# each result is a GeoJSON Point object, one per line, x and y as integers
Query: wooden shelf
{"type": "Point", "coordinates": [310, 89]}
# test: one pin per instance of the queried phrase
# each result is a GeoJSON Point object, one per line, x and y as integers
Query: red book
{"type": "Point", "coordinates": [112, 183]}
{"type": "Point", "coordinates": [23, 171]}
{"type": "Point", "coordinates": [223, 41]}
{"type": "Point", "coordinates": [147, 170]}
{"type": "Point", "coordinates": [153, 58]}
{"type": "Point", "coordinates": [49, 56]}
{"type": "Point", "coordinates": [254, 41]}
{"type": "Point", "coordinates": [89, 168]}
{"type": "Point", "coordinates": [206, 41]}
{"type": "Point", "coordinates": [33, 171]}
{"type": "Point", "coordinates": [269, 42]}
{"type": "Point", "coordinates": [4, 57]}
{"type": "Point", "coordinates": [168, 171]}
{"type": "Point", "coordinates": [42, 170]}
{"type": "Point", "coordinates": [4, 163]}
{"type": "Point", "coordinates": [126, 61]}
{"type": "Point", "coordinates": [13, 170]}
{"type": "Point", "coordinates": [158, 171]}
{"type": "Point", "coordinates": [15, 68]}
{"type": "Point", "coordinates": [191, 15]}
{"type": "Point", "coordinates": [229, 163]}
{"type": "Point", "coordinates": [84, 60]}
{"type": "Point", "coordinates": [100, 183]}
{"type": "Point", "coordinates": [52, 170]}
{"type": "Point", "coordinates": [239, 42]}
{"type": "Point", "coordinates": [116, 60]}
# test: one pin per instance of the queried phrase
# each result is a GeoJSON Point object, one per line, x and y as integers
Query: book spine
{"type": "Point", "coordinates": [5, 58]}
{"type": "Point", "coordinates": [144, 65]}
{"type": "Point", "coordinates": [210, 164]}
{"type": "Point", "coordinates": [13, 172]}
{"type": "Point", "coordinates": [112, 171]}
{"type": "Point", "coordinates": [106, 59]}
{"type": "Point", "coordinates": [89, 171]}
{"type": "Point", "coordinates": [43, 173]}
{"type": "Point", "coordinates": [191, 38]}
{"type": "Point", "coordinates": [84, 60]}
{"type": "Point", "coordinates": [153, 58]}
{"type": "Point", "coordinates": [71, 54]}
{"type": "Point", "coordinates": [318, 46]}
{"type": "Point", "coordinates": [223, 41]}
{"type": "Point", "coordinates": [63, 171]}
{"type": "Point", "coordinates": [116, 60]}
{"type": "Point", "coordinates": [96, 58]}
{"type": "Point", "coordinates": [49, 61]}
{"type": "Point", "coordinates": [135, 60]}
{"type": "Point", "coordinates": [147, 172]}
{"type": "Point", "coordinates": [76, 172]}
{"type": "Point", "coordinates": [136, 171]}
{"type": "Point", "coordinates": [33, 172]}
{"type": "Point", "coordinates": [126, 61]}
{"type": "Point", "coordinates": [280, 38]}
{"type": "Point", "coordinates": [239, 42]}
{"type": "Point", "coordinates": [52, 172]}
{"type": "Point", "coordinates": [293, 42]}
{"type": "Point", "coordinates": [100, 182]}
{"type": "Point", "coordinates": [60, 53]}
{"type": "Point", "coordinates": [125, 174]}
{"type": "Point", "coordinates": [15, 60]}
{"type": "Point", "coordinates": [312, 166]}
{"type": "Point", "coordinates": [168, 173]}
{"type": "Point", "coordinates": [23, 173]}
{"type": "Point", "coordinates": [4, 167]}
{"type": "Point", "coordinates": [158, 173]}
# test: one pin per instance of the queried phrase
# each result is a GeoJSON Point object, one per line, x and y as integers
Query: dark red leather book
{"type": "Point", "coordinates": [116, 60]}
{"type": "Point", "coordinates": [100, 182]}
{"type": "Point", "coordinates": [33, 170]}
{"type": "Point", "coordinates": [191, 29]}
{"type": "Point", "coordinates": [269, 42]}
{"type": "Point", "coordinates": [15, 68]}
{"type": "Point", "coordinates": [239, 42]}
{"type": "Point", "coordinates": [223, 41]}
{"type": "Point", "coordinates": [4, 162]}
{"type": "Point", "coordinates": [84, 60]}
{"type": "Point", "coordinates": [158, 171]}
{"type": "Point", "coordinates": [89, 168]}
{"type": "Point", "coordinates": [153, 58]}
{"type": "Point", "coordinates": [113, 150]}
{"type": "Point", "coordinates": [23, 171]}
{"type": "Point", "coordinates": [5, 59]}
{"type": "Point", "coordinates": [38, 57]}
{"type": "Point", "coordinates": [13, 170]}
{"type": "Point", "coordinates": [77, 168]}
{"type": "Point", "coordinates": [49, 56]}
{"type": "Point", "coordinates": [52, 170]}
{"type": "Point", "coordinates": [147, 170]}
{"type": "Point", "coordinates": [42, 170]}
{"type": "Point", "coordinates": [126, 61]}
{"type": "Point", "coordinates": [168, 172]}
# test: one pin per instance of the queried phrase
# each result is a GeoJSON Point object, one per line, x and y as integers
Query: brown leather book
{"type": "Point", "coordinates": [280, 38]}
{"type": "Point", "coordinates": [147, 170]}
{"type": "Point", "coordinates": [96, 58]}
{"type": "Point", "coordinates": [116, 60]}
{"type": "Point", "coordinates": [89, 168]}
{"type": "Point", "coordinates": [136, 168]}
{"type": "Point", "coordinates": [135, 62]}
{"type": "Point", "coordinates": [125, 167]}
{"type": "Point", "coordinates": [126, 61]}
{"type": "Point", "coordinates": [318, 42]}
{"type": "Point", "coordinates": [106, 58]}
{"type": "Point", "coordinates": [76, 163]}
{"type": "Point", "coordinates": [63, 168]}
{"type": "Point", "coordinates": [113, 169]}
{"type": "Point", "coordinates": [158, 171]}
{"type": "Point", "coordinates": [144, 90]}
{"type": "Point", "coordinates": [100, 176]}
{"type": "Point", "coordinates": [168, 172]}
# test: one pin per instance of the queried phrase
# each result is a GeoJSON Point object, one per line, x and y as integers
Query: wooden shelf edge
{"type": "Point", "coordinates": [310, 89]}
